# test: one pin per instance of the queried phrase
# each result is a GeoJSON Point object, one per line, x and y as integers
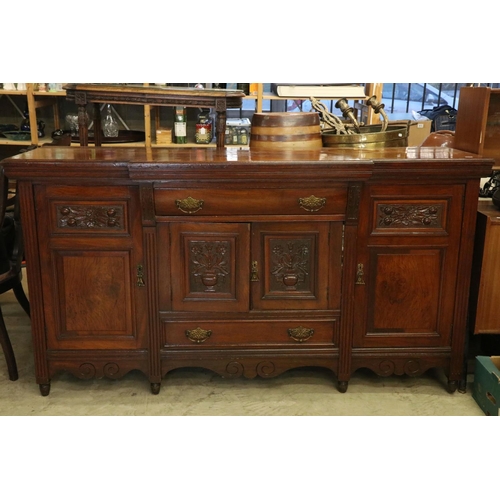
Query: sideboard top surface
{"type": "Point", "coordinates": [146, 163]}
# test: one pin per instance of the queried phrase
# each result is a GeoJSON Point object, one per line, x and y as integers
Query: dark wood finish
{"type": "Point", "coordinates": [485, 288]}
{"type": "Point", "coordinates": [248, 263]}
{"type": "Point", "coordinates": [86, 93]}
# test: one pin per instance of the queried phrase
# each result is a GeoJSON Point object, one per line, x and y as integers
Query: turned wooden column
{"type": "Point", "coordinates": [221, 108]}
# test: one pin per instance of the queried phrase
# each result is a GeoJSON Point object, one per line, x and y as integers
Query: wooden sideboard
{"type": "Point", "coordinates": [248, 263]}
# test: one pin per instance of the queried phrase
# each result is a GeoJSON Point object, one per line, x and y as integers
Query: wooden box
{"type": "Point", "coordinates": [164, 135]}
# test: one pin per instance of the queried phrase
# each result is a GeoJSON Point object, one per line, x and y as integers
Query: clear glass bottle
{"type": "Point", "coordinates": [110, 125]}
{"type": "Point", "coordinates": [180, 125]}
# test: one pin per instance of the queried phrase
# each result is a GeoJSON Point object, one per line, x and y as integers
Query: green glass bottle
{"type": "Point", "coordinates": [180, 125]}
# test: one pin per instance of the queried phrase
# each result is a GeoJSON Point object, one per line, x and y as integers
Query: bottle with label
{"type": "Point", "coordinates": [203, 133]}
{"type": "Point", "coordinates": [180, 125]}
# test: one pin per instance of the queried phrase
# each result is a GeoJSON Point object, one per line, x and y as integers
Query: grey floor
{"type": "Point", "coordinates": [199, 392]}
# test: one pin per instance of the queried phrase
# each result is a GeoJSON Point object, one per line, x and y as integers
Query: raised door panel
{"type": "Point", "coordinates": [408, 295]}
{"type": "Point", "coordinates": [209, 266]}
{"type": "Point", "coordinates": [296, 265]}
{"type": "Point", "coordinates": [94, 301]}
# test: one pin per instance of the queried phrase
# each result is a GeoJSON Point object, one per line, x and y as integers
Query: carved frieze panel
{"type": "Point", "coordinates": [87, 216]}
{"type": "Point", "coordinates": [417, 216]}
{"type": "Point", "coordinates": [395, 215]}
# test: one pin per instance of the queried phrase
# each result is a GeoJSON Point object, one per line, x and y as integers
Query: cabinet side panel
{"type": "Point", "coordinates": [488, 309]}
{"type": "Point", "coordinates": [471, 119]}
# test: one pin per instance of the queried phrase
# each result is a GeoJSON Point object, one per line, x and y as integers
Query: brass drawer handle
{"type": "Point", "coordinates": [300, 334]}
{"type": "Point", "coordinates": [189, 205]}
{"type": "Point", "coordinates": [198, 335]}
{"type": "Point", "coordinates": [312, 203]}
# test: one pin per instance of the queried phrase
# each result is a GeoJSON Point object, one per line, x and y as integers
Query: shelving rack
{"type": "Point", "coordinates": [36, 99]}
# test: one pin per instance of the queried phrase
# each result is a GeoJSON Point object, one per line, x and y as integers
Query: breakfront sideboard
{"type": "Point", "coordinates": [248, 263]}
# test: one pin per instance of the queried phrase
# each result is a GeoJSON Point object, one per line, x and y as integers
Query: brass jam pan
{"type": "Point", "coordinates": [370, 137]}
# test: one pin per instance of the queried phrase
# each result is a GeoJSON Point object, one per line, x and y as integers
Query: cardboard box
{"type": "Point", "coordinates": [419, 130]}
{"type": "Point", "coordinates": [486, 389]}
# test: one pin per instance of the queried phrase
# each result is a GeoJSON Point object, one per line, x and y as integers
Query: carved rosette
{"type": "Point", "coordinates": [234, 369]}
{"type": "Point", "coordinates": [411, 367]}
{"type": "Point", "coordinates": [265, 369]}
{"type": "Point", "coordinates": [88, 371]}
{"type": "Point", "coordinates": [409, 215]}
{"type": "Point", "coordinates": [90, 217]}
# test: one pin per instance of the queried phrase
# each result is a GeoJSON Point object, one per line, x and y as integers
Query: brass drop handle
{"type": "Point", "coordinates": [300, 334]}
{"type": "Point", "coordinates": [198, 335]}
{"type": "Point", "coordinates": [189, 205]}
{"type": "Point", "coordinates": [254, 274]}
{"type": "Point", "coordinates": [312, 203]}
{"type": "Point", "coordinates": [140, 275]}
{"type": "Point", "coordinates": [359, 275]}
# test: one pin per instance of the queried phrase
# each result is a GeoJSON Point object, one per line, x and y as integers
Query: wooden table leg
{"type": "Point", "coordinates": [83, 130]}
{"type": "Point", "coordinates": [220, 108]}
{"type": "Point", "coordinates": [83, 126]}
{"type": "Point", "coordinates": [97, 125]}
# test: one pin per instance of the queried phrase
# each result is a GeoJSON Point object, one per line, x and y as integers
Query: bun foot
{"type": "Point", "coordinates": [44, 389]}
{"type": "Point", "coordinates": [452, 386]}
{"type": "Point", "coordinates": [342, 386]}
{"type": "Point", "coordinates": [462, 386]}
{"type": "Point", "coordinates": [155, 388]}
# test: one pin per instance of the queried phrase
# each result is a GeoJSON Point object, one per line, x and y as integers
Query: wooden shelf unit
{"type": "Point", "coordinates": [36, 100]}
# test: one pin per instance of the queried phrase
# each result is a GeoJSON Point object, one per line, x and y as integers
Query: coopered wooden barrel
{"type": "Point", "coordinates": [285, 131]}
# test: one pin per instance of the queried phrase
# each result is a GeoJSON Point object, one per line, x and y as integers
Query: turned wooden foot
{"type": "Point", "coordinates": [342, 386]}
{"type": "Point", "coordinates": [44, 389]}
{"type": "Point", "coordinates": [452, 386]}
{"type": "Point", "coordinates": [155, 388]}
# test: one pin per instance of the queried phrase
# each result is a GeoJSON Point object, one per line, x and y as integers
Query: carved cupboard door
{"type": "Point", "coordinates": [296, 265]}
{"type": "Point", "coordinates": [210, 266]}
{"type": "Point", "coordinates": [407, 266]}
{"type": "Point", "coordinates": [92, 267]}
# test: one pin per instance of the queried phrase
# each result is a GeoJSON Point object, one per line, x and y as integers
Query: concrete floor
{"type": "Point", "coordinates": [200, 392]}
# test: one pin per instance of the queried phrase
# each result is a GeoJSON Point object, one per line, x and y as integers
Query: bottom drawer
{"type": "Point", "coordinates": [250, 333]}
